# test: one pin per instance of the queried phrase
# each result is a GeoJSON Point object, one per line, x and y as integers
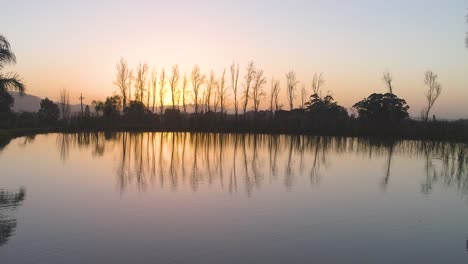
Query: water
{"type": "Point", "coordinates": [210, 198]}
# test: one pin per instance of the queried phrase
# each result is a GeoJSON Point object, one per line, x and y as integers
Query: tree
{"type": "Point", "coordinates": [234, 82]}
{"type": "Point", "coordinates": [209, 91]}
{"type": "Point", "coordinates": [136, 111]}
{"type": "Point", "coordinates": [8, 81]}
{"type": "Point", "coordinates": [173, 81]}
{"type": "Point", "coordinates": [317, 83]}
{"type": "Point", "coordinates": [49, 112]}
{"type": "Point", "coordinates": [303, 96]}
{"type": "Point", "coordinates": [249, 76]}
{"type": "Point", "coordinates": [222, 91]}
{"type": "Point", "coordinates": [325, 108]}
{"type": "Point", "coordinates": [184, 93]}
{"type": "Point", "coordinates": [198, 80]}
{"type": "Point", "coordinates": [291, 84]}
{"type": "Point", "coordinates": [382, 108]}
{"type": "Point", "coordinates": [257, 89]}
{"type": "Point", "coordinates": [65, 104]}
{"type": "Point", "coordinates": [123, 80]}
{"type": "Point", "coordinates": [111, 108]}
{"type": "Point", "coordinates": [140, 81]}
{"type": "Point", "coordinates": [162, 90]}
{"type": "Point", "coordinates": [434, 89]}
{"type": "Point", "coordinates": [388, 79]}
{"type": "Point", "coordinates": [154, 82]}
{"type": "Point", "coordinates": [6, 102]}
{"type": "Point", "coordinates": [87, 112]}
{"type": "Point", "coordinates": [275, 89]}
{"type": "Point", "coordinates": [99, 107]}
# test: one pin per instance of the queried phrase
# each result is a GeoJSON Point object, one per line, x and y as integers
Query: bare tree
{"type": "Point", "coordinates": [198, 80]}
{"type": "Point", "coordinates": [65, 104]}
{"type": "Point", "coordinates": [184, 93]}
{"type": "Point", "coordinates": [173, 81]}
{"type": "Point", "coordinates": [148, 92]}
{"type": "Point", "coordinates": [222, 91]}
{"type": "Point", "coordinates": [140, 81]}
{"type": "Point", "coordinates": [249, 76]}
{"type": "Point", "coordinates": [123, 80]}
{"type": "Point", "coordinates": [162, 90]}
{"type": "Point", "coordinates": [303, 96]}
{"type": "Point", "coordinates": [257, 89]}
{"type": "Point", "coordinates": [434, 89]}
{"type": "Point", "coordinates": [234, 82]}
{"type": "Point", "coordinates": [275, 88]}
{"type": "Point", "coordinates": [388, 79]}
{"type": "Point", "coordinates": [291, 87]}
{"type": "Point", "coordinates": [154, 84]}
{"type": "Point", "coordinates": [209, 91]}
{"type": "Point", "coordinates": [317, 82]}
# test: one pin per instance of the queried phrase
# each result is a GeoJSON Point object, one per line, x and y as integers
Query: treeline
{"type": "Point", "coordinates": [199, 102]}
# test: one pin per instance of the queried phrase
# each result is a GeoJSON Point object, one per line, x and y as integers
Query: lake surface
{"type": "Point", "coordinates": [214, 198]}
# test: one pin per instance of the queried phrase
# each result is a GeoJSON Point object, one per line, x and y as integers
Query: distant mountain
{"type": "Point", "coordinates": [32, 103]}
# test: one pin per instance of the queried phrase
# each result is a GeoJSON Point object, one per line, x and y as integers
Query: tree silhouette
{"type": "Point", "coordinates": [222, 91]}
{"type": "Point", "coordinates": [123, 80]}
{"type": "Point", "coordinates": [98, 107]}
{"type": "Point", "coordinates": [274, 100]}
{"type": "Point", "coordinates": [154, 83]}
{"type": "Point", "coordinates": [434, 89]}
{"type": "Point", "coordinates": [388, 79]}
{"type": "Point", "coordinates": [162, 90]}
{"type": "Point", "coordinates": [49, 112]}
{"type": "Point", "coordinates": [291, 88]}
{"type": "Point", "coordinates": [112, 107]}
{"type": "Point", "coordinates": [257, 89]}
{"type": "Point", "coordinates": [234, 83]}
{"type": "Point", "coordinates": [210, 86]}
{"type": "Point", "coordinates": [8, 81]}
{"type": "Point", "coordinates": [184, 93]}
{"type": "Point", "coordinates": [249, 77]}
{"type": "Point", "coordinates": [325, 108]}
{"type": "Point", "coordinates": [140, 81]}
{"type": "Point", "coordinates": [65, 104]}
{"type": "Point", "coordinates": [173, 82]}
{"type": "Point", "coordinates": [317, 83]}
{"type": "Point", "coordinates": [198, 79]}
{"type": "Point", "coordinates": [382, 108]}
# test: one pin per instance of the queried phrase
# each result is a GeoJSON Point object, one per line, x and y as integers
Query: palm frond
{"type": "Point", "coordinates": [6, 55]}
{"type": "Point", "coordinates": [12, 82]}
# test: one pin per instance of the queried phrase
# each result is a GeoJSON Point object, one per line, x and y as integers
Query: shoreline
{"type": "Point", "coordinates": [6, 135]}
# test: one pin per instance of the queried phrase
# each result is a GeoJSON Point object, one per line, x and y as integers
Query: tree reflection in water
{"type": "Point", "coordinates": [245, 162]}
{"type": "Point", "coordinates": [9, 201]}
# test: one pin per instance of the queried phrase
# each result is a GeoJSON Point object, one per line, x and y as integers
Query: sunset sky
{"type": "Point", "coordinates": [76, 44]}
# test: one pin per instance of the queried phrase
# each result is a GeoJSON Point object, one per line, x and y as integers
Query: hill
{"type": "Point", "coordinates": [32, 103]}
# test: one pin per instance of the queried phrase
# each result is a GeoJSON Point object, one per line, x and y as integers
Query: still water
{"type": "Point", "coordinates": [225, 198]}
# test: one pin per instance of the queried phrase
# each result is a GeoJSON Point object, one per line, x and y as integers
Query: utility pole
{"type": "Point", "coordinates": [81, 102]}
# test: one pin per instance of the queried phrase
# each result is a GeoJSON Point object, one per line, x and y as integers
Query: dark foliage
{"type": "Point", "coordinates": [325, 108]}
{"type": "Point", "coordinates": [382, 108]}
{"type": "Point", "coordinates": [6, 101]}
{"type": "Point", "coordinates": [112, 107]}
{"type": "Point", "coordinates": [49, 112]}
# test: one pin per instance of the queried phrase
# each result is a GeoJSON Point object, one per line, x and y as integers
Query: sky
{"type": "Point", "coordinates": [76, 44]}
